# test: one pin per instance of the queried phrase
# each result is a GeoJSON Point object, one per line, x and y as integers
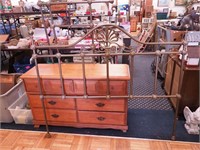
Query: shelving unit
{"type": "Point", "coordinates": [68, 16]}
{"type": "Point", "coordinates": [49, 14]}
{"type": "Point", "coordinates": [18, 15]}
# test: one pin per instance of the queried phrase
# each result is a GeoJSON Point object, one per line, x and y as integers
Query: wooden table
{"type": "Point", "coordinates": [3, 38]}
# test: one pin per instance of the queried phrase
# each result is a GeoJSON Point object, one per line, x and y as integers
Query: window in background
{"type": "Point", "coordinates": [163, 3]}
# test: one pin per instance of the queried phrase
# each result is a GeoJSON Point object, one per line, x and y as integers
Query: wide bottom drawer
{"type": "Point", "coordinates": [118, 105]}
{"type": "Point", "coordinates": [102, 118]}
{"type": "Point", "coordinates": [55, 115]}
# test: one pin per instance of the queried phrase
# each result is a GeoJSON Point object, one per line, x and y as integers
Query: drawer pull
{"type": "Point", "coordinates": [100, 104]}
{"type": "Point", "coordinates": [101, 118]}
{"type": "Point", "coordinates": [52, 102]}
{"type": "Point", "coordinates": [55, 116]}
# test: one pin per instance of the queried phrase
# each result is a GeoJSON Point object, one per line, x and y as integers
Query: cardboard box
{"type": "Point", "coordinates": [133, 24]}
{"type": "Point", "coordinates": [58, 7]}
{"type": "Point", "coordinates": [3, 37]}
{"type": "Point", "coordinates": [7, 82]}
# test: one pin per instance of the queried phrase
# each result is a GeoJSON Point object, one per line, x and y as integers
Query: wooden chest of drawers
{"type": "Point", "coordinates": [189, 89]}
{"type": "Point", "coordinates": [79, 112]}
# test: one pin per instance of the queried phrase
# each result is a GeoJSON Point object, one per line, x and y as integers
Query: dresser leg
{"type": "Point", "coordinates": [36, 126]}
{"type": "Point", "coordinates": [47, 135]}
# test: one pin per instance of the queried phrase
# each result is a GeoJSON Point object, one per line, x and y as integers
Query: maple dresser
{"type": "Point", "coordinates": [75, 111]}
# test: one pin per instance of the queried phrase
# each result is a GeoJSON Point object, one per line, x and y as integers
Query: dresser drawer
{"type": "Point", "coordinates": [100, 87]}
{"type": "Point", "coordinates": [95, 87]}
{"type": "Point", "coordinates": [78, 87]}
{"type": "Point", "coordinates": [55, 115]}
{"type": "Point", "coordinates": [49, 86]}
{"type": "Point", "coordinates": [31, 85]}
{"type": "Point", "coordinates": [51, 102]}
{"type": "Point", "coordinates": [101, 104]}
{"type": "Point", "coordinates": [102, 118]}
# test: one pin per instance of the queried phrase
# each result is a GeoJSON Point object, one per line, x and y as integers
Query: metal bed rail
{"type": "Point", "coordinates": [107, 35]}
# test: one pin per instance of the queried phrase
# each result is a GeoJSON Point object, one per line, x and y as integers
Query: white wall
{"type": "Point", "coordinates": [171, 6]}
{"type": "Point", "coordinates": [196, 5]}
{"type": "Point", "coordinates": [85, 6]}
{"type": "Point", "coordinates": [121, 2]}
{"type": "Point", "coordinates": [15, 2]}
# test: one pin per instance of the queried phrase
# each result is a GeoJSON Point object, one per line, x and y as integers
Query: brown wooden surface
{"type": "Point", "coordinates": [100, 87]}
{"type": "Point", "coordinates": [26, 140]}
{"type": "Point", "coordinates": [190, 85]}
{"type": "Point", "coordinates": [190, 90]}
{"type": "Point", "coordinates": [110, 118]}
{"type": "Point", "coordinates": [169, 75]}
{"type": "Point", "coordinates": [133, 23]}
{"type": "Point", "coordinates": [76, 87]}
{"type": "Point", "coordinates": [51, 102]}
{"type": "Point", "coordinates": [123, 128]}
{"type": "Point", "coordinates": [63, 115]}
{"type": "Point", "coordinates": [3, 37]}
{"type": "Point", "coordinates": [175, 85]}
{"type": "Point", "coordinates": [49, 86]}
{"type": "Point", "coordinates": [93, 113]}
{"type": "Point", "coordinates": [101, 104]}
{"type": "Point", "coordinates": [74, 71]}
{"type": "Point", "coordinates": [177, 35]}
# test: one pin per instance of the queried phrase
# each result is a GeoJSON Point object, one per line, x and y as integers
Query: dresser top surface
{"type": "Point", "coordinates": [75, 71]}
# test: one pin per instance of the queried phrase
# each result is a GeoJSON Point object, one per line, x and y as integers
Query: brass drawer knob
{"type": "Point", "coordinates": [55, 116]}
{"type": "Point", "coordinates": [52, 102]}
{"type": "Point", "coordinates": [101, 118]}
{"type": "Point", "coordinates": [100, 104]}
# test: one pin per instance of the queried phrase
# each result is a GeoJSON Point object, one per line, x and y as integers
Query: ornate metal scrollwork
{"type": "Point", "coordinates": [106, 35]}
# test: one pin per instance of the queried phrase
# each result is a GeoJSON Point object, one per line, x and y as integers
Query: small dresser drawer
{"type": "Point", "coordinates": [100, 87]}
{"type": "Point", "coordinates": [95, 87]}
{"type": "Point", "coordinates": [49, 86]}
{"type": "Point", "coordinates": [51, 102]}
{"type": "Point", "coordinates": [79, 87]}
{"type": "Point", "coordinates": [101, 104]}
{"type": "Point", "coordinates": [31, 85]}
{"type": "Point", "coordinates": [54, 86]}
{"type": "Point", "coordinates": [55, 115]}
{"type": "Point", "coordinates": [102, 118]}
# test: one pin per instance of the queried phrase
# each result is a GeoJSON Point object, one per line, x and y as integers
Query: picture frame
{"type": "Point", "coordinates": [198, 10]}
{"type": "Point", "coordinates": [180, 2]}
{"type": "Point", "coordinates": [163, 3]}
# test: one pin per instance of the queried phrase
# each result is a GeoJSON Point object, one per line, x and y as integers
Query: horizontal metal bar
{"type": "Point", "coordinates": [75, 26]}
{"type": "Point", "coordinates": [104, 54]}
{"type": "Point", "coordinates": [29, 13]}
{"type": "Point", "coordinates": [112, 97]}
{"type": "Point", "coordinates": [74, 2]}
